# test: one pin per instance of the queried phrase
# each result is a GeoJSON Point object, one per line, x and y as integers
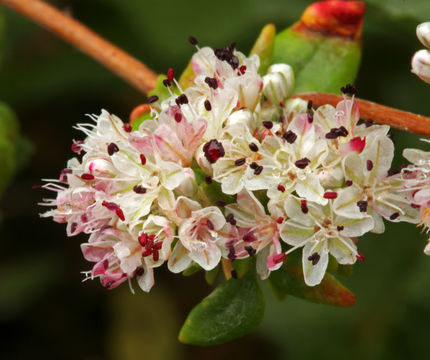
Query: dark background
{"type": "Point", "coordinates": [45, 310]}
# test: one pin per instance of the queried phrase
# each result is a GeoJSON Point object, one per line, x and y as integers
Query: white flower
{"type": "Point", "coordinates": [321, 232]}
{"type": "Point", "coordinates": [278, 83]}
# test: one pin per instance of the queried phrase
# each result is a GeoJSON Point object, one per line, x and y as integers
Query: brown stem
{"type": "Point", "coordinates": [398, 119]}
{"type": "Point", "coordinates": [115, 59]}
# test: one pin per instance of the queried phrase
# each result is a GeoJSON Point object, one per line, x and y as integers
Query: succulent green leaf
{"type": "Point", "coordinates": [263, 47]}
{"type": "Point", "coordinates": [289, 280]}
{"type": "Point", "coordinates": [232, 310]}
{"type": "Point", "coordinates": [308, 54]}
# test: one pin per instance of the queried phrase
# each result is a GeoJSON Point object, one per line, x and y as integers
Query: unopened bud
{"type": "Point", "coordinates": [423, 34]}
{"type": "Point", "coordinates": [421, 65]}
{"type": "Point", "coordinates": [294, 107]}
{"type": "Point", "coordinates": [278, 83]}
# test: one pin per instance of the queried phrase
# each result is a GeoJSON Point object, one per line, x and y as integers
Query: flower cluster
{"type": "Point", "coordinates": [284, 176]}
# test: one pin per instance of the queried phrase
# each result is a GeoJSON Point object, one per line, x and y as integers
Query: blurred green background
{"type": "Point", "coordinates": [45, 310]}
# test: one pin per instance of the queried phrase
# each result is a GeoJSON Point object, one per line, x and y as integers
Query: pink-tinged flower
{"type": "Point", "coordinates": [252, 232]}
{"type": "Point", "coordinates": [320, 232]}
{"type": "Point", "coordinates": [197, 236]}
{"type": "Point", "coordinates": [372, 188]}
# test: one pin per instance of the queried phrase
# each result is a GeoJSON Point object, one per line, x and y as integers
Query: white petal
{"type": "Point", "coordinates": [313, 274]}
{"type": "Point", "coordinates": [179, 260]}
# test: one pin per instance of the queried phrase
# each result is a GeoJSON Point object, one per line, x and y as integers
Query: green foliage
{"type": "Point", "coordinates": [263, 47]}
{"type": "Point", "coordinates": [309, 53]}
{"type": "Point", "coordinates": [288, 280]}
{"type": "Point", "coordinates": [232, 310]}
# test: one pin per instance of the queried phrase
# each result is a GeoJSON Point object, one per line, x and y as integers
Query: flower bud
{"type": "Point", "coordinates": [423, 34]}
{"type": "Point", "coordinates": [278, 83]}
{"type": "Point", "coordinates": [421, 65]}
{"type": "Point", "coordinates": [294, 107]}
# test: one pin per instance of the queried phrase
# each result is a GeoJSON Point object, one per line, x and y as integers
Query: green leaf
{"type": "Point", "coordinates": [309, 50]}
{"type": "Point", "coordinates": [241, 266]}
{"type": "Point", "coordinates": [263, 47]}
{"type": "Point", "coordinates": [232, 310]}
{"type": "Point", "coordinates": [210, 276]}
{"type": "Point", "coordinates": [289, 280]}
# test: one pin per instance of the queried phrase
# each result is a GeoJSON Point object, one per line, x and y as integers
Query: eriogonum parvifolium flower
{"type": "Point", "coordinates": [231, 168]}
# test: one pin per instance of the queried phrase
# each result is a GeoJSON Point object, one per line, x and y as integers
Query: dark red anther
{"type": "Point", "coordinates": [348, 183]}
{"type": "Point", "coordinates": [77, 146]}
{"type": "Point", "coordinates": [231, 253]}
{"type": "Point", "coordinates": [139, 189]}
{"type": "Point", "coordinates": [87, 177]}
{"type": "Point", "coordinates": [142, 159]}
{"type": "Point", "coordinates": [155, 255]}
{"type": "Point", "coordinates": [240, 162]}
{"type": "Point", "coordinates": [369, 165]}
{"type": "Point", "coordinates": [110, 205]}
{"type": "Point", "coordinates": [310, 117]}
{"type": "Point", "coordinates": [253, 147]}
{"type": "Point", "coordinates": [170, 74]}
{"type": "Point", "coordinates": [250, 250]}
{"type": "Point", "coordinates": [127, 127]}
{"type": "Point", "coordinates": [192, 40]}
{"type": "Point", "coordinates": [208, 179]}
{"type": "Point", "coordinates": [242, 69]}
{"type": "Point", "coordinates": [393, 171]}
{"type": "Point", "coordinates": [281, 104]}
{"type": "Point", "coordinates": [253, 165]}
{"type": "Point", "coordinates": [304, 206]}
{"type": "Point", "coordinates": [368, 123]}
{"type": "Point", "coordinates": [213, 150]}
{"type": "Point", "coordinates": [281, 188]}
{"type": "Point", "coordinates": [315, 258]}
{"type": "Point", "coordinates": [267, 124]}
{"type": "Point", "coordinates": [302, 163]}
{"type": "Point", "coordinates": [394, 216]}
{"type": "Point", "coordinates": [181, 99]}
{"type": "Point", "coordinates": [208, 105]}
{"type": "Point", "coordinates": [158, 245]}
{"type": "Point", "coordinates": [36, 186]}
{"type": "Point", "coordinates": [112, 149]}
{"type": "Point", "coordinates": [73, 227]}
{"type": "Point", "coordinates": [340, 227]}
{"type": "Point", "coordinates": [230, 219]}
{"type": "Point", "coordinates": [279, 220]}
{"type": "Point", "coordinates": [212, 82]}
{"type": "Point", "coordinates": [360, 257]}
{"type": "Point", "coordinates": [249, 237]}
{"type": "Point", "coordinates": [139, 271]}
{"type": "Point", "coordinates": [143, 238]}
{"type": "Point", "coordinates": [178, 117]}
{"type": "Point", "coordinates": [330, 195]}
{"type": "Point", "coordinates": [105, 263]}
{"type": "Point", "coordinates": [152, 99]}
{"type": "Point", "coordinates": [362, 205]}
{"type": "Point", "coordinates": [279, 258]}
{"type": "Point", "coordinates": [146, 252]}
{"type": "Point", "coordinates": [290, 137]}
{"type": "Point", "coordinates": [166, 83]}
{"type": "Point", "coordinates": [415, 206]}
{"type": "Point", "coordinates": [120, 214]}
{"type": "Point", "coordinates": [309, 104]}
{"type": "Point", "coordinates": [220, 203]}
{"type": "Point", "coordinates": [258, 170]}
{"type": "Point", "coordinates": [210, 225]}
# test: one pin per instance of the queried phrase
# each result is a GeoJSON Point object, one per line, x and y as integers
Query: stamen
{"type": "Point", "coordinates": [166, 83]}
{"type": "Point", "coordinates": [231, 253]}
{"type": "Point", "coordinates": [369, 165]}
{"type": "Point", "coordinates": [210, 225]}
{"type": "Point", "coordinates": [178, 117]}
{"type": "Point", "coordinates": [253, 165]}
{"type": "Point", "coordinates": [360, 257]}
{"type": "Point", "coordinates": [212, 82]}
{"type": "Point", "coordinates": [368, 123]}
{"type": "Point", "coordinates": [142, 159]}
{"type": "Point", "coordinates": [208, 105]}
{"type": "Point", "coordinates": [220, 203]}
{"type": "Point", "coordinates": [112, 149]}
{"type": "Point", "coordinates": [279, 220]}
{"type": "Point", "coordinates": [143, 238]}
{"type": "Point", "coordinates": [279, 258]}
{"type": "Point", "coordinates": [152, 99]}
{"type": "Point", "coordinates": [315, 258]}
{"type": "Point", "coordinates": [362, 205]}
{"type": "Point", "coordinates": [249, 237]}
{"type": "Point", "coordinates": [127, 127]}
{"type": "Point", "coordinates": [213, 150]}
{"type": "Point", "coordinates": [139, 189]}
{"type": "Point", "coordinates": [290, 137]}
{"type": "Point", "coordinates": [170, 74]}
{"type": "Point", "coordinates": [309, 104]}
{"type": "Point", "coordinates": [281, 188]}
{"type": "Point", "coordinates": [230, 219]}
{"type": "Point", "coordinates": [250, 250]}
{"type": "Point", "coordinates": [340, 227]}
{"type": "Point", "coordinates": [139, 271]}
{"type": "Point", "coordinates": [181, 99]}
{"type": "Point", "coordinates": [348, 182]}
{"type": "Point", "coordinates": [310, 117]}
{"type": "Point", "coordinates": [304, 206]}
{"type": "Point", "coordinates": [302, 163]}
{"type": "Point", "coordinates": [394, 216]}
{"type": "Point", "coordinates": [208, 179]}
{"type": "Point", "coordinates": [330, 195]}
{"type": "Point", "coordinates": [193, 40]}
{"type": "Point", "coordinates": [258, 170]}
{"type": "Point", "coordinates": [253, 147]}
{"type": "Point", "coordinates": [87, 177]}
{"type": "Point", "coordinates": [240, 162]}
{"type": "Point", "coordinates": [267, 124]}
